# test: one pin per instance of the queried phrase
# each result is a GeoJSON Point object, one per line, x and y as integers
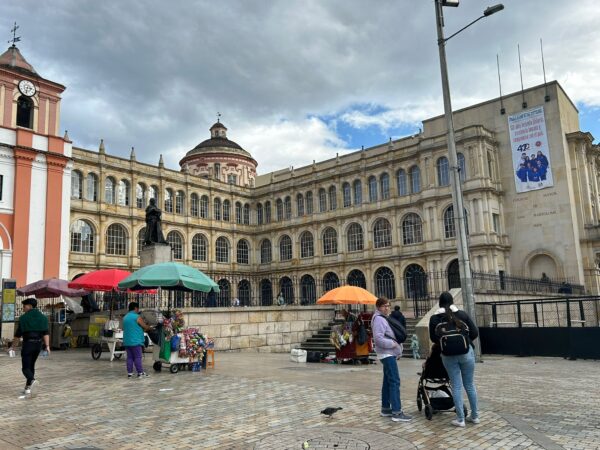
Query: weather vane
{"type": "Point", "coordinates": [218, 117]}
{"type": "Point", "coordinates": [15, 38]}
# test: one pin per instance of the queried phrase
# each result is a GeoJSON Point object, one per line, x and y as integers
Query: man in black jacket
{"type": "Point", "coordinates": [396, 314]}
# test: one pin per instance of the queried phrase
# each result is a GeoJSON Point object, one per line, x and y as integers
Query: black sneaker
{"type": "Point", "coordinates": [143, 375]}
{"type": "Point", "coordinates": [401, 417]}
{"type": "Point", "coordinates": [129, 375]}
{"type": "Point", "coordinates": [386, 413]}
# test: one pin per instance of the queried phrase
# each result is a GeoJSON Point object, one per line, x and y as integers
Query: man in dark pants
{"type": "Point", "coordinates": [33, 328]}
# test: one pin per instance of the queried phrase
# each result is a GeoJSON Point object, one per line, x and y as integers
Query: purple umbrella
{"type": "Point", "coordinates": [50, 288]}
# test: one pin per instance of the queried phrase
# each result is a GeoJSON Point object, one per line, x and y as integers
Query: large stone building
{"type": "Point", "coordinates": [381, 217]}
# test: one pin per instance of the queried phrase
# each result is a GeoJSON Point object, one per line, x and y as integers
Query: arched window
{"type": "Point", "coordinates": [168, 200]}
{"type": "Point", "coordinates": [332, 198]}
{"type": "Point", "coordinates": [244, 291]}
{"type": "Point", "coordinates": [140, 240]}
{"type": "Point", "coordinates": [330, 281]}
{"type": "Point", "coordinates": [357, 188]}
{"type": "Point", "coordinates": [442, 171]}
{"type": "Point", "coordinates": [266, 292]}
{"type": "Point", "coordinates": [222, 250]}
{"type": "Point", "coordinates": [224, 295]}
{"type": "Point", "coordinates": [346, 195]}
{"type": "Point", "coordinates": [384, 182]}
{"type": "Point", "coordinates": [217, 209]}
{"type": "Point", "coordinates": [401, 182]}
{"type": "Point", "coordinates": [194, 205]}
{"type": "Point", "coordinates": [308, 290]}
{"type": "Point", "coordinates": [176, 242]}
{"type": "Point", "coordinates": [24, 112]}
{"type": "Point", "coordinates": [307, 246]}
{"type": "Point", "coordinates": [116, 240]}
{"type": "Point", "coordinates": [330, 241]}
{"type": "Point", "coordinates": [226, 210]}
{"type": "Point", "coordinates": [382, 233]}
{"type": "Point", "coordinates": [91, 187]}
{"type": "Point", "coordinates": [449, 224]}
{"type": "Point", "coordinates": [238, 212]}
{"type": "Point", "coordinates": [372, 189]}
{"type": "Point", "coordinates": [287, 206]}
{"type": "Point", "coordinates": [357, 278]}
{"type": "Point", "coordinates": [266, 252]}
{"type": "Point", "coordinates": [204, 207]}
{"type": "Point", "coordinates": [246, 214]}
{"type": "Point", "coordinates": [322, 200]}
{"type": "Point", "coordinates": [279, 209]}
{"type": "Point", "coordinates": [385, 284]}
{"type": "Point", "coordinates": [415, 283]}
{"type": "Point", "coordinates": [309, 202]}
{"type": "Point", "coordinates": [300, 205]}
{"type": "Point", "coordinates": [199, 247]}
{"type": "Point", "coordinates": [109, 191]}
{"type": "Point", "coordinates": [412, 230]}
{"type": "Point", "coordinates": [285, 248]}
{"type": "Point", "coordinates": [286, 287]}
{"type": "Point", "coordinates": [259, 214]}
{"type": "Point", "coordinates": [462, 167]}
{"type": "Point", "coordinates": [179, 202]}
{"type": "Point", "coordinates": [82, 237]}
{"type": "Point", "coordinates": [140, 195]}
{"type": "Point", "coordinates": [153, 193]}
{"type": "Point", "coordinates": [243, 252]}
{"type": "Point", "coordinates": [123, 193]}
{"type": "Point", "coordinates": [355, 238]}
{"type": "Point", "coordinates": [414, 176]}
{"type": "Point", "coordinates": [76, 184]}
{"type": "Point", "coordinates": [267, 212]}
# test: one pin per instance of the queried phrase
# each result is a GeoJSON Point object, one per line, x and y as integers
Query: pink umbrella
{"type": "Point", "coordinates": [50, 288]}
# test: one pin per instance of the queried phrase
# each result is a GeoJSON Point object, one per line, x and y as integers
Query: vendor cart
{"type": "Point", "coordinates": [175, 363]}
{"type": "Point", "coordinates": [106, 340]}
{"type": "Point", "coordinates": [353, 351]}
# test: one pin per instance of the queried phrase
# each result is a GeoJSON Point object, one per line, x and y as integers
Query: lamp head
{"type": "Point", "coordinates": [450, 3]}
{"type": "Point", "coordinates": [493, 9]}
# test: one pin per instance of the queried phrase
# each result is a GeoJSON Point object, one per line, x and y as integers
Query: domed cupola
{"type": "Point", "coordinates": [221, 159]}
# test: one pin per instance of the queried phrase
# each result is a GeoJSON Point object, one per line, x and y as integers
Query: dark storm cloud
{"type": "Point", "coordinates": [153, 74]}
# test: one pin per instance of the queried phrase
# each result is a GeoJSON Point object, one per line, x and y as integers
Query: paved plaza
{"type": "Point", "coordinates": [264, 401]}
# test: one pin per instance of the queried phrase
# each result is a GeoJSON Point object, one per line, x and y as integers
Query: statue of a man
{"type": "Point", "coordinates": [153, 232]}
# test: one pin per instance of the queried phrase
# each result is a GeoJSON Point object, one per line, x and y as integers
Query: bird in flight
{"type": "Point", "coordinates": [330, 411]}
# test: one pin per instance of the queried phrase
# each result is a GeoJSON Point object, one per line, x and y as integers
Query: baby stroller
{"type": "Point", "coordinates": [434, 392]}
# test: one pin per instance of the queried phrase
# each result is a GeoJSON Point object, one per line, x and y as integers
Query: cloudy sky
{"type": "Point", "coordinates": [294, 80]}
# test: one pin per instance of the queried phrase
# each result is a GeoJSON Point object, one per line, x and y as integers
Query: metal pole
{"type": "Point", "coordinates": [466, 282]}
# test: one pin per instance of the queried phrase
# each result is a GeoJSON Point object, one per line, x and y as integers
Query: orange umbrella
{"type": "Point", "coordinates": [347, 295]}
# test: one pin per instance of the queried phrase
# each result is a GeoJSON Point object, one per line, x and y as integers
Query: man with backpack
{"type": "Point", "coordinates": [454, 331]}
{"type": "Point", "coordinates": [388, 350]}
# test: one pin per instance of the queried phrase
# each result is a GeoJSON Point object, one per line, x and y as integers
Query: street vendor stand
{"type": "Point", "coordinates": [344, 335]}
{"type": "Point", "coordinates": [57, 302]}
{"type": "Point", "coordinates": [191, 344]}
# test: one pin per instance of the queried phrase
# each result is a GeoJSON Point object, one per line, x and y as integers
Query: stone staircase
{"type": "Point", "coordinates": [319, 342]}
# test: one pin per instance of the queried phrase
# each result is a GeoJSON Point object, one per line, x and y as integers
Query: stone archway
{"type": "Point", "coordinates": [453, 274]}
{"type": "Point", "coordinates": [542, 264]}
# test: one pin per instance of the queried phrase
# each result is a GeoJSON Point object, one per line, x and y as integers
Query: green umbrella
{"type": "Point", "coordinates": [169, 276]}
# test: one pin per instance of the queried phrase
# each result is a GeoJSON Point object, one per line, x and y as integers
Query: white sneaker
{"type": "Point", "coordinates": [29, 389]}
{"type": "Point", "coordinates": [474, 420]}
{"type": "Point", "coordinates": [458, 423]}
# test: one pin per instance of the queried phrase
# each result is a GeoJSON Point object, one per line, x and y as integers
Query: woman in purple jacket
{"type": "Point", "coordinates": [388, 351]}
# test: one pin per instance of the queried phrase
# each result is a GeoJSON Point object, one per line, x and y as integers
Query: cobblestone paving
{"type": "Point", "coordinates": [263, 401]}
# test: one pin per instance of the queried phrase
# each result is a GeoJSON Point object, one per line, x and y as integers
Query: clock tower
{"type": "Point", "coordinates": [35, 167]}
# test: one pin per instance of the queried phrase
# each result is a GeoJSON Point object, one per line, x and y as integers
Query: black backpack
{"type": "Point", "coordinates": [399, 331]}
{"type": "Point", "coordinates": [454, 337]}
{"type": "Point", "coordinates": [362, 336]}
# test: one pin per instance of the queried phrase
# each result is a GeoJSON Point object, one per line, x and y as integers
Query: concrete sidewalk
{"type": "Point", "coordinates": [264, 401]}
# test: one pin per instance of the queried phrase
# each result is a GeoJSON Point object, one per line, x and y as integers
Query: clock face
{"type": "Point", "coordinates": [27, 88]}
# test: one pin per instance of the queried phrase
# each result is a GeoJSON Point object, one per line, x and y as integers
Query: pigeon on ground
{"type": "Point", "coordinates": [330, 411]}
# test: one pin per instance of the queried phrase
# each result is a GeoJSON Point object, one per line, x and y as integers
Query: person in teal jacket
{"type": "Point", "coordinates": [133, 339]}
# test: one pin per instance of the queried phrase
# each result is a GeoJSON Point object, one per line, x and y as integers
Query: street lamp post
{"type": "Point", "coordinates": [466, 282]}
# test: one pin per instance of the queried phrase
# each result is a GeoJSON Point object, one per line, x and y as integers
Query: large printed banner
{"type": "Point", "coordinates": [530, 152]}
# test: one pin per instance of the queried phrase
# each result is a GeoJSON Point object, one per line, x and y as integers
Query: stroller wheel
{"type": "Point", "coordinates": [419, 402]}
{"type": "Point", "coordinates": [428, 412]}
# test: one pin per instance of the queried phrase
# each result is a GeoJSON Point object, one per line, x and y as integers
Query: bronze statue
{"type": "Point", "coordinates": [153, 232]}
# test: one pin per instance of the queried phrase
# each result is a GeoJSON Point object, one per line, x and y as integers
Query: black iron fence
{"type": "Point", "coordinates": [502, 281]}
{"type": "Point", "coordinates": [558, 326]}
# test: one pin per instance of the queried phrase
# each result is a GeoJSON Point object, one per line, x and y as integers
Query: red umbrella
{"type": "Point", "coordinates": [100, 280]}
{"type": "Point", "coordinates": [50, 288]}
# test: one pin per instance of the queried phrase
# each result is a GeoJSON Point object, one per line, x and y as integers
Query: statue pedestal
{"type": "Point", "coordinates": [155, 254]}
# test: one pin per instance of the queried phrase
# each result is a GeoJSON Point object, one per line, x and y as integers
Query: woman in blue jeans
{"type": "Point", "coordinates": [460, 368]}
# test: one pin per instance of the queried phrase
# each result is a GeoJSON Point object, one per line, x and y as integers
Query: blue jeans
{"type": "Point", "coordinates": [461, 369]}
{"type": "Point", "coordinates": [390, 390]}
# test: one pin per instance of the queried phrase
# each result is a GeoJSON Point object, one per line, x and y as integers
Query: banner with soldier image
{"type": "Point", "coordinates": [530, 152]}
